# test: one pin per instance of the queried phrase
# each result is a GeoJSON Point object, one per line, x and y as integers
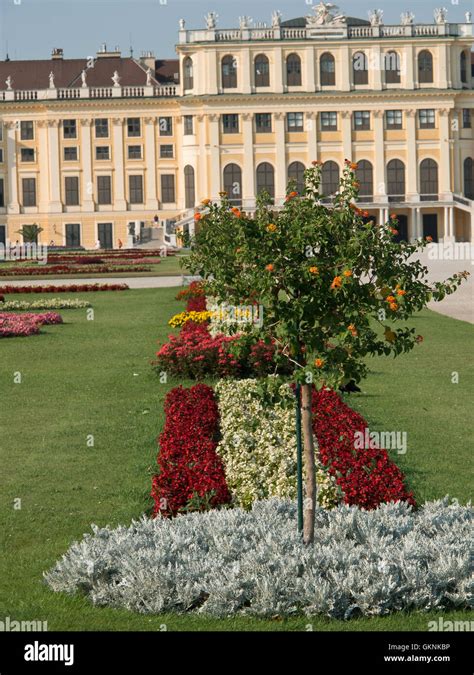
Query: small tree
{"type": "Point", "coordinates": [330, 281]}
{"type": "Point", "coordinates": [30, 233]}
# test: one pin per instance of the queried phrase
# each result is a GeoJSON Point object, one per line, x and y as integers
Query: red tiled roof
{"type": "Point", "coordinates": [167, 70]}
{"type": "Point", "coordinates": [67, 73]}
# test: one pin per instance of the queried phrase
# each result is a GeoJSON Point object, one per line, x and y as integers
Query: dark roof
{"type": "Point", "coordinates": [300, 22]}
{"type": "Point", "coordinates": [67, 72]}
{"type": "Point", "coordinates": [167, 70]}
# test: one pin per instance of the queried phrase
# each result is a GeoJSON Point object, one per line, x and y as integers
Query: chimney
{"type": "Point", "coordinates": [104, 53]}
{"type": "Point", "coordinates": [147, 59]}
{"type": "Point", "coordinates": [57, 54]}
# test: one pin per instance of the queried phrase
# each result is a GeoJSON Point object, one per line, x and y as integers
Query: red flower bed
{"type": "Point", "coordinates": [23, 325]}
{"type": "Point", "coordinates": [194, 353]}
{"type": "Point", "coordinates": [70, 269]}
{"type": "Point", "coordinates": [194, 290]}
{"type": "Point", "coordinates": [196, 304]}
{"type": "Point", "coordinates": [368, 477]}
{"type": "Point", "coordinates": [191, 475]}
{"type": "Point", "coordinates": [73, 288]}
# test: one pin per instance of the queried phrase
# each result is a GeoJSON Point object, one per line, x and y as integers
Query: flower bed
{"type": "Point", "coordinates": [230, 562]}
{"type": "Point", "coordinates": [367, 476]}
{"type": "Point", "coordinates": [190, 473]}
{"type": "Point", "coordinates": [53, 303]}
{"type": "Point", "coordinates": [73, 288]}
{"type": "Point", "coordinates": [43, 270]}
{"type": "Point", "coordinates": [24, 325]}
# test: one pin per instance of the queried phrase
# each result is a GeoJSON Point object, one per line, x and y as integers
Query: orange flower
{"type": "Point", "coordinates": [352, 329]}
{"type": "Point", "coordinates": [336, 282]}
{"type": "Point", "coordinates": [428, 238]}
{"type": "Point", "coordinates": [272, 227]}
{"type": "Point", "coordinates": [314, 270]}
{"type": "Point", "coordinates": [366, 214]}
{"type": "Point", "coordinates": [316, 162]}
{"type": "Point", "coordinates": [291, 195]}
{"type": "Point", "coordinates": [393, 306]}
{"type": "Point", "coordinates": [223, 193]}
{"type": "Point", "coordinates": [356, 184]}
{"type": "Point", "coordinates": [393, 231]}
{"type": "Point", "coordinates": [319, 363]}
{"type": "Point", "coordinates": [270, 268]}
{"type": "Point", "coordinates": [393, 216]}
{"type": "Point", "coordinates": [353, 166]}
{"type": "Point", "coordinates": [347, 273]}
{"type": "Point", "coordinates": [197, 217]}
{"type": "Point", "coordinates": [206, 202]}
{"type": "Point", "coordinates": [401, 292]}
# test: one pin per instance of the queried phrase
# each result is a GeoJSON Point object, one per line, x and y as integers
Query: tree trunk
{"type": "Point", "coordinates": [309, 464]}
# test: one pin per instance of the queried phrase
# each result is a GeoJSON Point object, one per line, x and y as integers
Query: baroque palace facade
{"type": "Point", "coordinates": [92, 149]}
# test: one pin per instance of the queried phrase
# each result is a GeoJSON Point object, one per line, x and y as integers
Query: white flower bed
{"type": "Point", "coordinates": [52, 303]}
{"type": "Point", "coordinates": [227, 562]}
{"type": "Point", "coordinates": [258, 446]}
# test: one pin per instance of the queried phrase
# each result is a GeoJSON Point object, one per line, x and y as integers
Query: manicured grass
{"type": "Point", "coordinates": [94, 378]}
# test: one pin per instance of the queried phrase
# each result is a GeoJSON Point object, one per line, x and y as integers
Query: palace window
{"type": "Point", "coordinates": [262, 71]}
{"type": "Point", "coordinates": [428, 180]}
{"type": "Point", "coordinates": [133, 127]}
{"type": "Point", "coordinates": [135, 184]}
{"type": "Point", "coordinates": [104, 190]}
{"type": "Point", "coordinates": [165, 125]}
{"type": "Point", "coordinates": [293, 70]}
{"type": "Point", "coordinates": [166, 151]}
{"type": "Point", "coordinates": [466, 118]}
{"type": "Point", "coordinates": [327, 70]}
{"type": "Point", "coordinates": [101, 128]}
{"type": "Point", "coordinates": [134, 152]}
{"type": "Point", "coordinates": [233, 183]}
{"type": "Point", "coordinates": [2, 193]}
{"type": "Point", "coordinates": [229, 72]}
{"type": "Point", "coordinates": [329, 121]}
{"type": "Point", "coordinates": [188, 74]}
{"type": "Point", "coordinates": [27, 131]}
{"type": "Point", "coordinates": [396, 181]}
{"type": "Point", "coordinates": [189, 187]}
{"type": "Point", "coordinates": [329, 178]}
{"type": "Point", "coordinates": [230, 124]}
{"type": "Point", "coordinates": [365, 178]}
{"type": "Point", "coordinates": [427, 119]}
{"type": "Point", "coordinates": [69, 129]}
{"type": "Point", "coordinates": [102, 152]}
{"type": "Point", "coordinates": [266, 179]}
{"type": "Point", "coordinates": [425, 66]}
{"type": "Point", "coordinates": [393, 119]}
{"type": "Point", "coordinates": [188, 126]}
{"type": "Point", "coordinates": [392, 68]}
{"type": "Point", "coordinates": [263, 123]}
{"type": "Point", "coordinates": [296, 175]}
{"type": "Point", "coordinates": [70, 154]}
{"type": "Point", "coordinates": [27, 155]}
{"type": "Point", "coordinates": [167, 188]}
{"type": "Point", "coordinates": [295, 121]}
{"type": "Point", "coordinates": [360, 68]}
{"type": "Point", "coordinates": [29, 191]}
{"type": "Point", "coordinates": [469, 178]}
{"type": "Point", "coordinates": [463, 67]}
{"type": "Point", "coordinates": [71, 191]}
{"type": "Point", "coordinates": [361, 120]}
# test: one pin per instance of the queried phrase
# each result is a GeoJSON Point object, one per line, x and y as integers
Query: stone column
{"type": "Point", "coordinates": [280, 158]}
{"type": "Point", "coordinates": [55, 204]}
{"type": "Point", "coordinates": [380, 188]}
{"type": "Point", "coordinates": [445, 192]}
{"type": "Point", "coordinates": [345, 69]}
{"type": "Point", "coordinates": [88, 187]}
{"type": "Point", "coordinates": [309, 77]}
{"type": "Point", "coordinates": [202, 177]}
{"type": "Point", "coordinates": [214, 141]}
{"type": "Point", "coordinates": [279, 85]}
{"type": "Point", "coordinates": [411, 73]}
{"type": "Point", "coordinates": [13, 205]}
{"type": "Point", "coordinates": [119, 200]}
{"type": "Point", "coordinates": [312, 131]}
{"type": "Point", "coordinates": [43, 162]}
{"type": "Point", "coordinates": [412, 193]}
{"type": "Point", "coordinates": [248, 172]}
{"type": "Point", "coordinates": [245, 79]}
{"type": "Point", "coordinates": [347, 134]}
{"type": "Point", "coordinates": [151, 199]}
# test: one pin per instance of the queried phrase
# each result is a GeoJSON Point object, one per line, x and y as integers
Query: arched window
{"type": "Point", "coordinates": [229, 72]}
{"type": "Point", "coordinates": [396, 180]}
{"type": "Point", "coordinates": [463, 66]}
{"type": "Point", "coordinates": [262, 71]}
{"type": "Point", "coordinates": [293, 70]}
{"type": "Point", "coordinates": [392, 68]}
{"type": "Point", "coordinates": [469, 178]}
{"type": "Point", "coordinates": [296, 173]}
{"type": "Point", "coordinates": [266, 179]}
{"type": "Point", "coordinates": [233, 183]}
{"type": "Point", "coordinates": [327, 70]}
{"type": "Point", "coordinates": [189, 188]}
{"type": "Point", "coordinates": [329, 178]}
{"type": "Point", "coordinates": [188, 74]}
{"type": "Point", "coordinates": [365, 178]}
{"type": "Point", "coordinates": [360, 68]}
{"type": "Point", "coordinates": [428, 180]}
{"type": "Point", "coordinates": [425, 66]}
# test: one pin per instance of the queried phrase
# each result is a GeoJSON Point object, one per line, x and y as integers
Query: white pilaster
{"type": "Point", "coordinates": [412, 193]}
{"type": "Point", "coordinates": [120, 203]}
{"type": "Point", "coordinates": [55, 204]}
{"type": "Point", "coordinates": [345, 68]}
{"type": "Point", "coordinates": [280, 83]}
{"type": "Point", "coordinates": [88, 188]}
{"type": "Point", "coordinates": [248, 173]}
{"type": "Point", "coordinates": [312, 131]}
{"type": "Point", "coordinates": [151, 203]}
{"type": "Point", "coordinates": [13, 204]}
{"type": "Point", "coordinates": [410, 74]}
{"type": "Point", "coordinates": [347, 133]}
{"type": "Point", "coordinates": [380, 189]}
{"type": "Point", "coordinates": [280, 158]}
{"type": "Point", "coordinates": [445, 192]}
{"type": "Point", "coordinates": [214, 141]}
{"type": "Point", "coordinates": [309, 77]}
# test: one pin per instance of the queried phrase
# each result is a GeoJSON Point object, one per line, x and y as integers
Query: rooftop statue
{"type": "Point", "coordinates": [83, 78]}
{"type": "Point", "coordinates": [440, 14]}
{"type": "Point", "coordinates": [376, 17]}
{"type": "Point", "coordinates": [325, 14]}
{"type": "Point", "coordinates": [244, 22]}
{"type": "Point", "coordinates": [211, 20]}
{"type": "Point", "coordinates": [407, 18]}
{"type": "Point", "coordinates": [116, 79]}
{"type": "Point", "coordinates": [51, 80]}
{"type": "Point", "coordinates": [8, 82]}
{"type": "Point", "coordinates": [276, 18]}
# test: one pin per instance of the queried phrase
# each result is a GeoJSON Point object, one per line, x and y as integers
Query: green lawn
{"type": "Point", "coordinates": [168, 267]}
{"type": "Point", "coordinates": [94, 377]}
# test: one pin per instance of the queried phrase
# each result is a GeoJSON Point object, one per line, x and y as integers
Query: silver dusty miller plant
{"type": "Point", "coordinates": [227, 562]}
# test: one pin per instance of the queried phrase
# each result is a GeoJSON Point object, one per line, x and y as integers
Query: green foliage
{"type": "Point", "coordinates": [30, 233]}
{"type": "Point", "coordinates": [323, 274]}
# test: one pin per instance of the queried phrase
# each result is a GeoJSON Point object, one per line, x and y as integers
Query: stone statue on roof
{"type": "Point", "coordinates": [325, 14]}
{"type": "Point", "coordinates": [376, 17]}
{"type": "Point", "coordinates": [276, 18]}
{"type": "Point", "coordinates": [83, 78]}
{"type": "Point", "coordinates": [244, 22]}
{"type": "Point", "coordinates": [182, 24]}
{"type": "Point", "coordinates": [440, 14]}
{"type": "Point", "coordinates": [211, 20]}
{"type": "Point", "coordinates": [468, 17]}
{"type": "Point", "coordinates": [8, 82]}
{"type": "Point", "coordinates": [116, 79]}
{"type": "Point", "coordinates": [148, 77]}
{"type": "Point", "coordinates": [407, 18]}
{"type": "Point", "coordinates": [51, 80]}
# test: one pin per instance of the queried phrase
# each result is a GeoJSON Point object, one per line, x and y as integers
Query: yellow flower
{"type": "Point", "coordinates": [272, 227]}
{"type": "Point", "coordinates": [347, 273]}
{"type": "Point", "coordinates": [313, 270]}
{"type": "Point", "coordinates": [319, 363]}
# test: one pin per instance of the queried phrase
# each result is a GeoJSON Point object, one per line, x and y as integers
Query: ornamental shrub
{"type": "Point", "coordinates": [190, 473]}
{"type": "Point", "coordinates": [72, 288]}
{"type": "Point", "coordinates": [235, 562]}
